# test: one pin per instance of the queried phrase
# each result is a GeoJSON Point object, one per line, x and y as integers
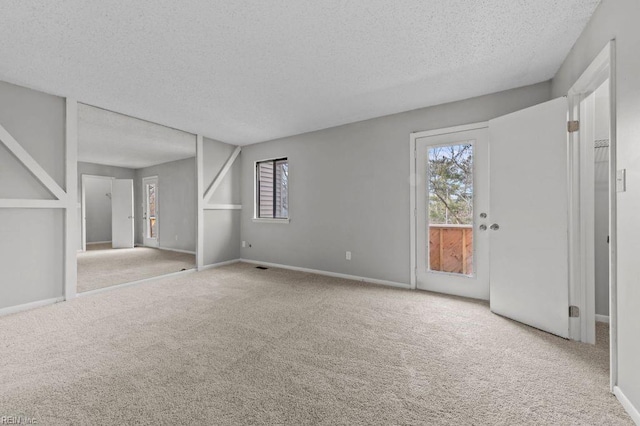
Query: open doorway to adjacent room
{"type": "Point", "coordinates": [138, 208]}
{"type": "Point", "coordinates": [95, 199]}
{"type": "Point", "coordinates": [597, 111]}
{"type": "Point", "coordinates": [150, 216]}
{"type": "Point", "coordinates": [593, 111]}
{"type": "Point", "coordinates": [595, 182]}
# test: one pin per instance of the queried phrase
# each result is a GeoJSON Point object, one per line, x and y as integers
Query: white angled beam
{"type": "Point", "coordinates": [218, 180]}
{"type": "Point", "coordinates": [31, 204]}
{"type": "Point", "coordinates": [71, 237]}
{"type": "Point", "coordinates": [200, 189]}
{"type": "Point", "coordinates": [223, 207]}
{"type": "Point", "coordinates": [31, 164]}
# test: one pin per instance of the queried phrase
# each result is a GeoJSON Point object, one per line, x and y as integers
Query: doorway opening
{"type": "Point", "coordinates": [144, 173]}
{"type": "Point", "coordinates": [519, 207]}
{"type": "Point", "coordinates": [594, 186]}
{"type": "Point", "coordinates": [150, 209]}
{"type": "Point", "coordinates": [96, 211]}
{"type": "Point", "coordinates": [597, 105]}
{"type": "Point", "coordinates": [106, 209]}
{"type": "Point", "coordinates": [450, 202]}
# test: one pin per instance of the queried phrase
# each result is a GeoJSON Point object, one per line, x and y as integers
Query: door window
{"type": "Point", "coordinates": [150, 193]}
{"type": "Point", "coordinates": [450, 208]}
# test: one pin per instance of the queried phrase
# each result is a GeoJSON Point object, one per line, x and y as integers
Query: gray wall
{"type": "Point", "coordinates": [98, 209]}
{"type": "Point", "coordinates": [177, 203]}
{"type": "Point", "coordinates": [619, 19]}
{"type": "Point", "coordinates": [99, 170]}
{"type": "Point", "coordinates": [103, 170]}
{"type": "Point", "coordinates": [31, 240]}
{"type": "Point", "coordinates": [349, 189]}
{"type": "Point", "coordinates": [222, 227]}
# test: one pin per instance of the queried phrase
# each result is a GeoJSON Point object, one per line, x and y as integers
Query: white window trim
{"type": "Point", "coordinates": [270, 220]}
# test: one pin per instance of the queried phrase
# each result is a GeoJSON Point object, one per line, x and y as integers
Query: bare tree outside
{"type": "Point", "coordinates": [284, 188]}
{"type": "Point", "coordinates": [451, 184]}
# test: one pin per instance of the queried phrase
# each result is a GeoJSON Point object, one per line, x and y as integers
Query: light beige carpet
{"type": "Point", "coordinates": [100, 266]}
{"type": "Point", "coordinates": [237, 345]}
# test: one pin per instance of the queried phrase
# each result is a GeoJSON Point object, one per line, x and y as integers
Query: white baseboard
{"type": "Point", "coordinates": [602, 318]}
{"type": "Point", "coordinates": [219, 264]}
{"type": "Point", "coordinates": [628, 406]}
{"type": "Point", "coordinates": [98, 242]}
{"type": "Point", "coordinates": [329, 274]}
{"type": "Point", "coordinates": [176, 250]}
{"type": "Point", "coordinates": [30, 305]}
{"type": "Point", "coordinates": [145, 280]}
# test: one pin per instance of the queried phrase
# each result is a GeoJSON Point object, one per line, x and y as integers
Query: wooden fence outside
{"type": "Point", "coordinates": [451, 248]}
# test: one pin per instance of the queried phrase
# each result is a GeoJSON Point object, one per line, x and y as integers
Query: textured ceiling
{"type": "Point", "coordinates": [254, 70]}
{"type": "Point", "coordinates": [113, 139]}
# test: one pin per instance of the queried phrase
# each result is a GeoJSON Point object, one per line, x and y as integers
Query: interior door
{"type": "Point", "coordinates": [452, 213]}
{"type": "Point", "coordinates": [150, 211]}
{"type": "Point", "coordinates": [529, 223]}
{"type": "Point", "coordinates": [122, 213]}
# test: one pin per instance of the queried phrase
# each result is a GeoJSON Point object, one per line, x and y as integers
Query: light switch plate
{"type": "Point", "coordinates": [621, 180]}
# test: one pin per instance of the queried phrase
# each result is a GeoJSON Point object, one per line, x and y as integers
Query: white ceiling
{"type": "Point", "coordinates": [105, 137]}
{"type": "Point", "coordinates": [255, 70]}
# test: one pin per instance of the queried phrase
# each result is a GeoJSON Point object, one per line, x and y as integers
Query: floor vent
{"type": "Point", "coordinates": [262, 267]}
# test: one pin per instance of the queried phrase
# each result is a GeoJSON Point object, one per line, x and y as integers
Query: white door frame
{"type": "Point", "coordinates": [413, 212]}
{"type": "Point", "coordinates": [83, 205]}
{"type": "Point", "coordinates": [581, 220]}
{"type": "Point", "coordinates": [145, 212]}
{"type": "Point", "coordinates": [71, 209]}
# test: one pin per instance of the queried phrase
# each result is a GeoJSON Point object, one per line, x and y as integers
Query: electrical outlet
{"type": "Point", "coordinates": [244, 244]}
{"type": "Point", "coordinates": [348, 255]}
{"type": "Point", "coordinates": [176, 238]}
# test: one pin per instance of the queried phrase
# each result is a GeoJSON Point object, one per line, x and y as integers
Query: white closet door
{"type": "Point", "coordinates": [529, 216]}
{"type": "Point", "coordinates": [122, 213]}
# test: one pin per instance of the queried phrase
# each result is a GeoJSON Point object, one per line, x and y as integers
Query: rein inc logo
{"type": "Point", "coordinates": [17, 420]}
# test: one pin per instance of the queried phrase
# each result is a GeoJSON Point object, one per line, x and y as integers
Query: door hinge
{"type": "Point", "coordinates": [574, 312]}
{"type": "Point", "coordinates": [573, 126]}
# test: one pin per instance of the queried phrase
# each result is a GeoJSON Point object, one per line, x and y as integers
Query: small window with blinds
{"type": "Point", "coordinates": [272, 189]}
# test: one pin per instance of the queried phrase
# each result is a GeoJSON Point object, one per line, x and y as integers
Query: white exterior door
{"type": "Point", "coordinates": [452, 212]}
{"type": "Point", "coordinates": [150, 211]}
{"type": "Point", "coordinates": [529, 216]}
{"type": "Point", "coordinates": [122, 213]}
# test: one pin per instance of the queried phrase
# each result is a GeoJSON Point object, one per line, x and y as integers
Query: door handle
{"type": "Point", "coordinates": [483, 227]}
{"type": "Point", "coordinates": [494, 227]}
